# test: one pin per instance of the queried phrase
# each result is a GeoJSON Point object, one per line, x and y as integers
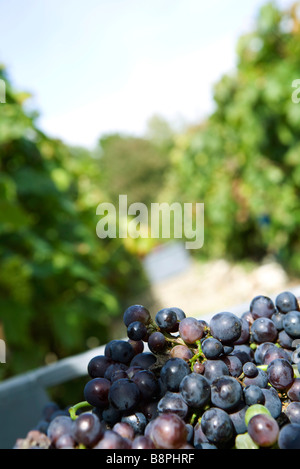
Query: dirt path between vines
{"type": "Point", "coordinates": [217, 286]}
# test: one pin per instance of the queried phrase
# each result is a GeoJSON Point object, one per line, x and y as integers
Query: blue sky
{"type": "Point", "coordinates": [99, 66]}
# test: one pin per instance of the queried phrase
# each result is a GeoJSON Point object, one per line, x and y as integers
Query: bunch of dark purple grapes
{"type": "Point", "coordinates": [179, 382]}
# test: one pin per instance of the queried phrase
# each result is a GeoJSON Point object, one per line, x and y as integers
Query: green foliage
{"type": "Point", "coordinates": [243, 162]}
{"type": "Point", "coordinates": [133, 166]}
{"type": "Point", "coordinates": [59, 283]}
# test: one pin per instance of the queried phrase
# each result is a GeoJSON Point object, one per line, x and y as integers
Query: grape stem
{"type": "Point", "coordinates": [193, 418]}
{"type": "Point", "coordinates": [173, 339]}
{"type": "Point", "coordinates": [197, 415]}
{"type": "Point", "coordinates": [197, 355]}
{"type": "Point", "coordinates": [76, 407]}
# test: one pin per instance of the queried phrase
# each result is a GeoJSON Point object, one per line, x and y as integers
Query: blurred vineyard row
{"type": "Point", "coordinates": [60, 285]}
{"type": "Point", "coordinates": [244, 161]}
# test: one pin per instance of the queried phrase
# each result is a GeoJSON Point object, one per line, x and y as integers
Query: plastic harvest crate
{"type": "Point", "coordinates": [23, 397]}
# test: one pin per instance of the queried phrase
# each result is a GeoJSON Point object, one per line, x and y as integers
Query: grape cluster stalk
{"type": "Point", "coordinates": [230, 383]}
